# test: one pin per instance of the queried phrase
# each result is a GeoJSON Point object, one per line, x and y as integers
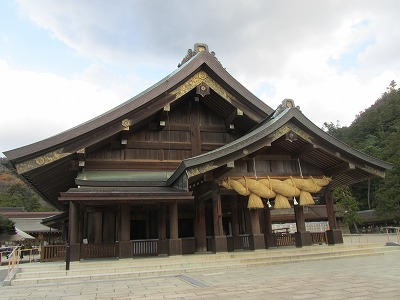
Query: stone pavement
{"type": "Point", "coordinates": [366, 277]}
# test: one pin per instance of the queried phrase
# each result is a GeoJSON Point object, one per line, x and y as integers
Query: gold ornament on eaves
{"type": "Point", "coordinates": [199, 78]}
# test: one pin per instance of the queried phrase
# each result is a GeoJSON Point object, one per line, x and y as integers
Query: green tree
{"type": "Point", "coordinates": [15, 193]}
{"type": "Point", "coordinates": [376, 131]}
{"type": "Point", "coordinates": [6, 226]}
{"type": "Point", "coordinates": [345, 200]}
{"type": "Point", "coordinates": [335, 130]}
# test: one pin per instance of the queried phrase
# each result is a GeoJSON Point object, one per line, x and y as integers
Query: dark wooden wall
{"type": "Point", "coordinates": [191, 128]}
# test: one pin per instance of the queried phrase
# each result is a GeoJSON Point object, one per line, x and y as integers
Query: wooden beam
{"type": "Point", "coordinates": [231, 118]}
{"type": "Point", "coordinates": [356, 162]}
{"type": "Point", "coordinates": [302, 150]}
{"type": "Point", "coordinates": [266, 157]}
{"type": "Point", "coordinates": [139, 197]}
{"type": "Point", "coordinates": [219, 172]}
{"type": "Point", "coordinates": [340, 168]}
{"type": "Point", "coordinates": [159, 145]}
{"type": "Point", "coordinates": [131, 165]}
{"type": "Point", "coordinates": [81, 154]}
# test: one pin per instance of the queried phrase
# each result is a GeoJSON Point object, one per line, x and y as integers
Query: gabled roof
{"type": "Point", "coordinates": [163, 92]}
{"type": "Point", "coordinates": [47, 164]}
{"type": "Point", "coordinates": [347, 164]}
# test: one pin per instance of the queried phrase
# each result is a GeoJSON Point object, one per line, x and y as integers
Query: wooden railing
{"type": "Point", "coordinates": [144, 247]}
{"type": "Point", "coordinates": [52, 253]}
{"type": "Point", "coordinates": [150, 247]}
{"type": "Point", "coordinates": [285, 239]}
{"type": "Point", "coordinates": [13, 260]}
{"type": "Point", "coordinates": [99, 250]}
{"type": "Point", "coordinates": [318, 238]}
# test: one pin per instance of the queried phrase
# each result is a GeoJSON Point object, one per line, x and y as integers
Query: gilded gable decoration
{"type": "Point", "coordinates": [202, 79]}
{"type": "Point", "coordinates": [39, 161]}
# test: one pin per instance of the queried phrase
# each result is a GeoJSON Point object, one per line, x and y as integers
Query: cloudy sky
{"type": "Point", "coordinates": [65, 62]}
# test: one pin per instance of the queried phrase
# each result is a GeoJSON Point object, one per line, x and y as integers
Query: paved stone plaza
{"type": "Point", "coordinates": [366, 277]}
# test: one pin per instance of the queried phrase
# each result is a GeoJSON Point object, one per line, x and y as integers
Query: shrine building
{"type": "Point", "coordinates": [193, 164]}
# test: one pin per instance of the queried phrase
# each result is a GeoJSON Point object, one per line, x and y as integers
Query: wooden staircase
{"type": "Point", "coordinates": [113, 269]}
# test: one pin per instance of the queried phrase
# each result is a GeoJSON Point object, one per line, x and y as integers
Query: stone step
{"type": "Point", "coordinates": [182, 264]}
{"type": "Point", "coordinates": [137, 261]}
{"type": "Point", "coordinates": [129, 265]}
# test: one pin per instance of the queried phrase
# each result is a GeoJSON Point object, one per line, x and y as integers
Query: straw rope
{"type": "Point", "coordinates": [281, 190]}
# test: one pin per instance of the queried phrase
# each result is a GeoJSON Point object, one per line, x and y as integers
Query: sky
{"type": "Point", "coordinates": [63, 63]}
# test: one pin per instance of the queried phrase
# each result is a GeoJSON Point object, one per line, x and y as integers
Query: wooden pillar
{"type": "Point", "coordinates": [300, 218]}
{"type": "Point", "coordinates": [247, 219]}
{"type": "Point", "coordinates": [125, 222]}
{"type": "Point", "coordinates": [303, 237]}
{"type": "Point", "coordinates": [173, 220]}
{"type": "Point", "coordinates": [73, 223]}
{"type": "Point", "coordinates": [255, 221]}
{"type": "Point", "coordinates": [162, 222]}
{"type": "Point", "coordinates": [73, 229]}
{"type": "Point", "coordinates": [237, 242]}
{"type": "Point", "coordinates": [81, 225]}
{"type": "Point", "coordinates": [200, 226]}
{"type": "Point", "coordinates": [334, 235]}
{"type": "Point", "coordinates": [125, 245]}
{"type": "Point", "coordinates": [330, 208]}
{"type": "Point", "coordinates": [175, 244]}
{"type": "Point", "coordinates": [256, 239]}
{"type": "Point", "coordinates": [270, 240]}
{"type": "Point", "coordinates": [163, 244]}
{"type": "Point", "coordinates": [98, 227]}
{"type": "Point", "coordinates": [220, 242]}
{"type": "Point", "coordinates": [217, 215]}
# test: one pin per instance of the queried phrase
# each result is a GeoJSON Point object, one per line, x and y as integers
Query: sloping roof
{"type": "Point", "coordinates": [202, 60]}
{"type": "Point", "coordinates": [329, 152]}
{"type": "Point", "coordinates": [27, 214]}
{"type": "Point", "coordinates": [30, 225]}
{"type": "Point", "coordinates": [47, 165]}
{"type": "Point", "coordinates": [122, 178]}
{"type": "Point", "coordinates": [29, 221]}
{"type": "Point", "coordinates": [133, 194]}
{"type": "Point", "coordinates": [19, 235]}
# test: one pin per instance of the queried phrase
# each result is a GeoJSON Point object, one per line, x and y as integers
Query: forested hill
{"type": "Point", "coordinates": [376, 131]}
{"type": "Point", "coordinates": [15, 193]}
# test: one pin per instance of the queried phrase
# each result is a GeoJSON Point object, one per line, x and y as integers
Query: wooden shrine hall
{"type": "Point", "coordinates": [193, 164]}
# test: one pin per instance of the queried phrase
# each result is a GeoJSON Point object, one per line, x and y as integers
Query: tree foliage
{"type": "Point", "coordinates": [15, 193]}
{"type": "Point", "coordinates": [376, 131]}
{"type": "Point", "coordinates": [349, 205]}
{"type": "Point", "coordinates": [6, 226]}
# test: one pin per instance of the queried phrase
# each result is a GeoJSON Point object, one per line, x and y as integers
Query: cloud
{"type": "Point", "coordinates": [39, 105]}
{"type": "Point", "coordinates": [334, 58]}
